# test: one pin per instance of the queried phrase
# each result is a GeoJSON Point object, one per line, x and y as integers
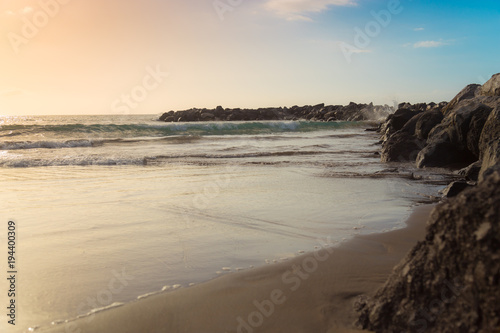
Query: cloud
{"type": "Point", "coordinates": [429, 44]}
{"type": "Point", "coordinates": [419, 29]}
{"type": "Point", "coordinates": [297, 10]}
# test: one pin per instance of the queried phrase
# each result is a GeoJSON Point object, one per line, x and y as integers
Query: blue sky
{"type": "Point", "coordinates": [94, 56]}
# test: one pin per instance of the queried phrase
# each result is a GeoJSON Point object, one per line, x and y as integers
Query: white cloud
{"type": "Point", "coordinates": [419, 29]}
{"type": "Point", "coordinates": [297, 10]}
{"type": "Point", "coordinates": [428, 44]}
{"type": "Point", "coordinates": [10, 13]}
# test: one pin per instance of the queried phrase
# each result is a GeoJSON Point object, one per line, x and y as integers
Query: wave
{"type": "Point", "coordinates": [168, 129]}
{"type": "Point", "coordinates": [275, 157]}
{"type": "Point", "coordinates": [16, 145]}
{"type": "Point", "coordinates": [72, 161]}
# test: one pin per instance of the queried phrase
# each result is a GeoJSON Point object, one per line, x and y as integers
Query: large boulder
{"type": "Point", "coordinates": [400, 118]}
{"type": "Point", "coordinates": [489, 144]}
{"type": "Point", "coordinates": [471, 172]}
{"type": "Point", "coordinates": [396, 121]}
{"type": "Point", "coordinates": [454, 142]}
{"type": "Point", "coordinates": [450, 282]}
{"type": "Point", "coordinates": [492, 87]}
{"type": "Point", "coordinates": [401, 147]}
{"type": "Point", "coordinates": [455, 188]}
{"type": "Point", "coordinates": [164, 116]}
{"type": "Point", "coordinates": [466, 93]}
{"type": "Point", "coordinates": [207, 116]}
{"type": "Point", "coordinates": [475, 129]}
{"type": "Point", "coordinates": [411, 124]}
{"type": "Point", "coordinates": [426, 122]}
{"type": "Point", "coordinates": [443, 154]}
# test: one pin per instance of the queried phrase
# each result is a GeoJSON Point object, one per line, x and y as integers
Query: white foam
{"type": "Point", "coordinates": [147, 295]}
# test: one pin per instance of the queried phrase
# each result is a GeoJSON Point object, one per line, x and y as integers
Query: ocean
{"type": "Point", "coordinates": [110, 209]}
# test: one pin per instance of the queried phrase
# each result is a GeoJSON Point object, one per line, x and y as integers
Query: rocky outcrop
{"type": "Point", "coordinates": [492, 87]}
{"type": "Point", "coordinates": [443, 153]}
{"type": "Point", "coordinates": [489, 142]}
{"type": "Point", "coordinates": [471, 172]}
{"type": "Point", "coordinates": [426, 122]}
{"type": "Point", "coordinates": [457, 136]}
{"type": "Point", "coordinates": [450, 282]}
{"type": "Point", "coordinates": [454, 135]}
{"type": "Point", "coordinates": [319, 112]}
{"type": "Point", "coordinates": [400, 141]}
{"type": "Point", "coordinates": [456, 188]}
{"type": "Point", "coordinates": [468, 92]}
{"type": "Point", "coordinates": [402, 147]}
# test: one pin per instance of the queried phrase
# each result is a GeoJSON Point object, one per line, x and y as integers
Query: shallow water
{"type": "Point", "coordinates": [179, 208]}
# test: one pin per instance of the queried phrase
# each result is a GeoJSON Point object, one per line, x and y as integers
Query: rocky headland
{"type": "Point", "coordinates": [449, 282]}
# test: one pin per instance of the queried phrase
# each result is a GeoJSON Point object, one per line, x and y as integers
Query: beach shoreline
{"type": "Point", "coordinates": [314, 292]}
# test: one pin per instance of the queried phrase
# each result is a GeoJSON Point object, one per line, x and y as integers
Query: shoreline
{"type": "Point", "coordinates": [310, 293]}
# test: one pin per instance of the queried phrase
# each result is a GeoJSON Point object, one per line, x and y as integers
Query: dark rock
{"type": "Point", "coordinates": [271, 114]}
{"type": "Point", "coordinates": [489, 145]}
{"type": "Point", "coordinates": [401, 147]}
{"type": "Point", "coordinates": [472, 171]}
{"type": "Point", "coordinates": [426, 122]}
{"type": "Point", "coordinates": [319, 106]}
{"type": "Point", "coordinates": [319, 112]}
{"type": "Point", "coordinates": [443, 154]}
{"type": "Point", "coordinates": [461, 119]}
{"type": "Point", "coordinates": [331, 115]}
{"type": "Point", "coordinates": [206, 116]}
{"type": "Point", "coordinates": [404, 105]}
{"type": "Point", "coordinates": [455, 188]}
{"type": "Point", "coordinates": [476, 126]}
{"type": "Point", "coordinates": [411, 124]}
{"type": "Point", "coordinates": [492, 87]}
{"type": "Point", "coordinates": [450, 282]}
{"type": "Point", "coordinates": [400, 118]}
{"type": "Point", "coordinates": [466, 93]}
{"type": "Point", "coordinates": [395, 122]}
{"type": "Point", "coordinates": [488, 172]}
{"type": "Point", "coordinates": [453, 142]}
{"type": "Point", "coordinates": [236, 115]}
{"type": "Point", "coordinates": [166, 115]}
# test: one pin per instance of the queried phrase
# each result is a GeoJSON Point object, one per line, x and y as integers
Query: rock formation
{"type": "Point", "coordinates": [320, 112]}
{"type": "Point", "coordinates": [452, 135]}
{"type": "Point", "coordinates": [450, 282]}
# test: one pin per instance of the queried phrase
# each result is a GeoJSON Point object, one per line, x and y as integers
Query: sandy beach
{"type": "Point", "coordinates": [311, 293]}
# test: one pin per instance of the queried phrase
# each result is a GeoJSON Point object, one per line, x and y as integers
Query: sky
{"type": "Point", "coordinates": [152, 56]}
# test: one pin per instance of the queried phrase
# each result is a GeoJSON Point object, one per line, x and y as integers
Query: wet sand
{"type": "Point", "coordinates": [311, 293]}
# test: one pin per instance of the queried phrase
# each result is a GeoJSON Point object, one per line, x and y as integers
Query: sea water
{"type": "Point", "coordinates": [113, 208]}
